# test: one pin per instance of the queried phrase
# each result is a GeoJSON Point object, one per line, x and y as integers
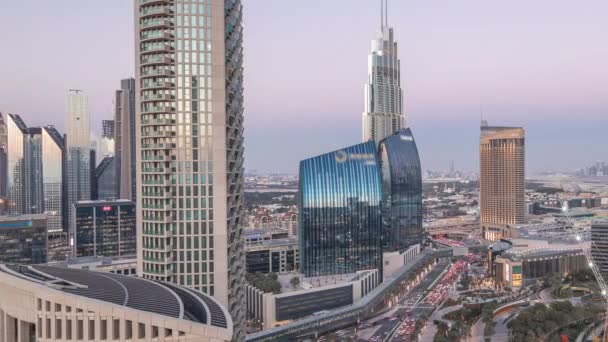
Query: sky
{"type": "Point", "coordinates": [538, 64]}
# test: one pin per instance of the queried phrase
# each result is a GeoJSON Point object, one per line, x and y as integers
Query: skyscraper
{"type": "Point", "coordinates": [383, 113]}
{"type": "Point", "coordinates": [106, 143]}
{"type": "Point", "coordinates": [105, 178]}
{"type": "Point", "coordinates": [107, 129]}
{"type": "Point", "coordinates": [78, 149]}
{"type": "Point", "coordinates": [34, 189]}
{"type": "Point", "coordinates": [402, 191]}
{"type": "Point", "coordinates": [124, 133]}
{"type": "Point", "coordinates": [52, 177]}
{"type": "Point", "coordinates": [15, 163]}
{"type": "Point", "coordinates": [501, 180]}
{"type": "Point", "coordinates": [340, 219]}
{"type": "Point", "coordinates": [189, 104]}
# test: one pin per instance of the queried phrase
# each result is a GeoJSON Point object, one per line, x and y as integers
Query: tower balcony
{"type": "Point", "coordinates": [149, 60]}
{"type": "Point", "coordinates": [157, 110]}
{"type": "Point", "coordinates": [156, 24]}
{"type": "Point", "coordinates": [156, 73]}
{"type": "Point", "coordinates": [151, 36]}
{"type": "Point", "coordinates": [156, 98]}
{"type": "Point", "coordinates": [157, 85]}
{"type": "Point", "coordinates": [156, 48]}
{"type": "Point", "coordinates": [154, 11]}
{"type": "Point", "coordinates": [153, 2]}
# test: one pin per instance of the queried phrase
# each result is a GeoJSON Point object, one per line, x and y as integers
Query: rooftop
{"type": "Point", "coordinates": [135, 293]}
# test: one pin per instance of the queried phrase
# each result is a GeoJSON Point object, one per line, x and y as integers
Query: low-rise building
{"type": "Point", "coordinates": [311, 296]}
{"type": "Point", "coordinates": [44, 303]}
{"type": "Point", "coordinates": [523, 261]}
{"type": "Point", "coordinates": [23, 239]}
{"type": "Point", "coordinates": [271, 251]}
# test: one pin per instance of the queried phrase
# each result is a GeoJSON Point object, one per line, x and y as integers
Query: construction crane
{"type": "Point", "coordinates": [578, 235]}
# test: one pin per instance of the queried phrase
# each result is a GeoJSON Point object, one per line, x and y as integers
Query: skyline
{"type": "Point", "coordinates": [540, 68]}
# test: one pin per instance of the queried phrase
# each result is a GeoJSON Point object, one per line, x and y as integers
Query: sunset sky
{"type": "Point", "coordinates": [538, 64]}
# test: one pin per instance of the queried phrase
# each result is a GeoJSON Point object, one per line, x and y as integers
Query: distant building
{"type": "Point", "coordinates": [23, 239]}
{"type": "Point", "coordinates": [383, 114]}
{"type": "Point", "coordinates": [104, 228]}
{"type": "Point", "coordinates": [52, 177]}
{"type": "Point", "coordinates": [15, 164]}
{"type": "Point", "coordinates": [106, 183]}
{"type": "Point", "coordinates": [79, 155]}
{"type": "Point", "coordinates": [402, 191]}
{"type": "Point", "coordinates": [599, 245]}
{"type": "Point", "coordinates": [520, 262]}
{"type": "Point", "coordinates": [107, 129]}
{"type": "Point", "coordinates": [340, 219]}
{"type": "Point", "coordinates": [501, 180]}
{"type": "Point", "coordinates": [124, 266]}
{"type": "Point", "coordinates": [32, 161]}
{"type": "Point", "coordinates": [124, 136]}
{"type": "Point", "coordinates": [45, 303]}
{"type": "Point", "coordinates": [268, 254]}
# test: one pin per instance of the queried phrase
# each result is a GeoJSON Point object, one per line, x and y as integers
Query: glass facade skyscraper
{"type": "Point", "coordinates": [15, 164]}
{"type": "Point", "coordinates": [106, 185]}
{"type": "Point", "coordinates": [402, 191]}
{"type": "Point", "coordinates": [189, 114]}
{"type": "Point", "coordinates": [34, 190]}
{"type": "Point", "coordinates": [340, 218]}
{"type": "Point", "coordinates": [78, 149]}
{"type": "Point", "coordinates": [52, 177]}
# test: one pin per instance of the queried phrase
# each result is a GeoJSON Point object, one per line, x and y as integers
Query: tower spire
{"type": "Point", "coordinates": [381, 14]}
{"type": "Point", "coordinates": [386, 14]}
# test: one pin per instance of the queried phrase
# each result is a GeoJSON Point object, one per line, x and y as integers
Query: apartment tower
{"type": "Point", "coordinates": [383, 113]}
{"type": "Point", "coordinates": [189, 116]}
{"type": "Point", "coordinates": [501, 180]}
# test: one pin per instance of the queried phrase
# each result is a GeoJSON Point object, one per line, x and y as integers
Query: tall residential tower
{"type": "Point", "coordinates": [501, 180]}
{"type": "Point", "coordinates": [189, 115]}
{"type": "Point", "coordinates": [383, 113]}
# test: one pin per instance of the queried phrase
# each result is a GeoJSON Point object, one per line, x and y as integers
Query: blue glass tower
{"type": "Point", "coordinates": [402, 191]}
{"type": "Point", "coordinates": [340, 220]}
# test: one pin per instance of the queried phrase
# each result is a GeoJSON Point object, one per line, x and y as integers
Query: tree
{"type": "Point", "coordinates": [295, 281]}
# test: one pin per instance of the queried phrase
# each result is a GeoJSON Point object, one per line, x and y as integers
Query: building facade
{"type": "Point", "coordinates": [78, 150]}
{"type": "Point", "coordinates": [189, 115]}
{"type": "Point", "coordinates": [402, 191]}
{"type": "Point", "coordinates": [44, 303]}
{"type": "Point", "coordinates": [599, 245]}
{"type": "Point", "coordinates": [52, 177]}
{"type": "Point", "coordinates": [501, 180]}
{"type": "Point", "coordinates": [272, 256]}
{"type": "Point", "coordinates": [124, 135]}
{"type": "Point", "coordinates": [23, 239]}
{"type": "Point", "coordinates": [106, 181]}
{"type": "Point", "coordinates": [15, 164]}
{"type": "Point", "coordinates": [340, 219]}
{"type": "Point", "coordinates": [383, 113]}
{"type": "Point", "coordinates": [104, 228]}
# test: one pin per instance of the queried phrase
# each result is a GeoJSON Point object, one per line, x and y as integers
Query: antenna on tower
{"type": "Point", "coordinates": [386, 14]}
{"type": "Point", "coordinates": [381, 14]}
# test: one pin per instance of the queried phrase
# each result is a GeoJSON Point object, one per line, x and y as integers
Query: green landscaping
{"type": "Point", "coordinates": [264, 282]}
{"type": "Point", "coordinates": [546, 322]}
